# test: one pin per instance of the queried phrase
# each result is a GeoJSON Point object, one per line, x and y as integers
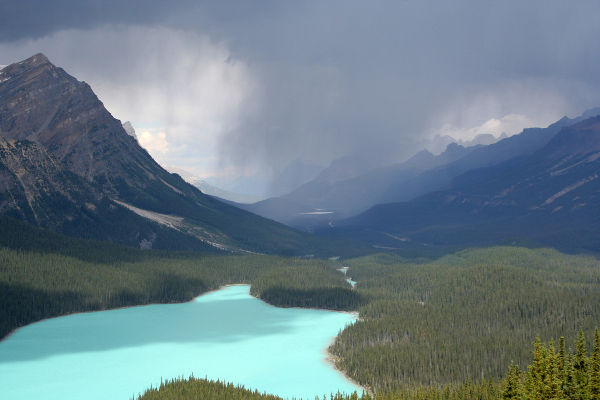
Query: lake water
{"type": "Point", "coordinates": [226, 335]}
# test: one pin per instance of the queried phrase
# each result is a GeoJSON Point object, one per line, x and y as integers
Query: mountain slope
{"type": "Point", "coordinates": [35, 188]}
{"type": "Point", "coordinates": [549, 197]}
{"type": "Point", "coordinates": [61, 117]}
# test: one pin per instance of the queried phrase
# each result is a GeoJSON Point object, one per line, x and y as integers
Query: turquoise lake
{"type": "Point", "coordinates": [225, 334]}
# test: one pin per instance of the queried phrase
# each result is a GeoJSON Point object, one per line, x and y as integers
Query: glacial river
{"type": "Point", "coordinates": [225, 334]}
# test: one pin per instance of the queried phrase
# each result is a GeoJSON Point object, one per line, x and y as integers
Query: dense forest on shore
{"type": "Point", "coordinates": [317, 285]}
{"type": "Point", "coordinates": [44, 275]}
{"type": "Point", "coordinates": [464, 316]}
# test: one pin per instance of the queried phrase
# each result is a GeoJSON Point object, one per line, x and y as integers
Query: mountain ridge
{"type": "Point", "coordinates": [44, 105]}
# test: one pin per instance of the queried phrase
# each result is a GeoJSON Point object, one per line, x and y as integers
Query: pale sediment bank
{"type": "Point", "coordinates": [330, 359]}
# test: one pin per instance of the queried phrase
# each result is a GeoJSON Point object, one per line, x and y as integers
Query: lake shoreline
{"type": "Point", "coordinates": [123, 307]}
{"type": "Point", "coordinates": [328, 359]}
{"type": "Point", "coordinates": [9, 334]}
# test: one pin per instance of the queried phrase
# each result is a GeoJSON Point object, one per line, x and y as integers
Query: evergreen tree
{"type": "Point", "coordinates": [535, 373]}
{"type": "Point", "coordinates": [569, 378]}
{"type": "Point", "coordinates": [580, 366]}
{"type": "Point", "coordinates": [553, 378]}
{"type": "Point", "coordinates": [513, 383]}
{"type": "Point", "coordinates": [543, 378]}
{"type": "Point", "coordinates": [595, 368]}
{"type": "Point", "coordinates": [562, 366]}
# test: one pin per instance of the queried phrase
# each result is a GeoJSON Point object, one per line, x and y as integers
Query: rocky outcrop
{"type": "Point", "coordinates": [34, 186]}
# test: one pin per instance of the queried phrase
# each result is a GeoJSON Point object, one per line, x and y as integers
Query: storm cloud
{"type": "Point", "coordinates": [234, 88]}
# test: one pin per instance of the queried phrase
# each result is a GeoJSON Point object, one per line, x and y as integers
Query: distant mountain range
{"type": "Point", "coordinates": [67, 165]}
{"type": "Point", "coordinates": [547, 195]}
{"type": "Point", "coordinates": [348, 187]}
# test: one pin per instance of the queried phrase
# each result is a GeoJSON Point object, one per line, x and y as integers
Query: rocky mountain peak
{"type": "Point", "coordinates": [44, 104]}
{"type": "Point", "coordinates": [36, 60]}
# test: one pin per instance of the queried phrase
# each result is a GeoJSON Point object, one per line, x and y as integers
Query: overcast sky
{"type": "Point", "coordinates": [227, 88]}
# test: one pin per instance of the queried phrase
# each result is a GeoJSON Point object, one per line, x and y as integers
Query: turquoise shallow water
{"type": "Point", "coordinates": [226, 334]}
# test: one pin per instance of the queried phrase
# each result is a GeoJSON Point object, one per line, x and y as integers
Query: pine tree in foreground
{"type": "Point", "coordinates": [595, 368]}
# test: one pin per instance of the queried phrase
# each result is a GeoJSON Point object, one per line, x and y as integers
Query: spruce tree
{"type": "Point", "coordinates": [552, 376]}
{"type": "Point", "coordinates": [534, 381]}
{"type": "Point", "coordinates": [562, 365]}
{"type": "Point", "coordinates": [580, 366]}
{"type": "Point", "coordinates": [561, 354]}
{"type": "Point", "coordinates": [595, 369]}
{"type": "Point", "coordinates": [513, 384]}
{"type": "Point", "coordinates": [569, 376]}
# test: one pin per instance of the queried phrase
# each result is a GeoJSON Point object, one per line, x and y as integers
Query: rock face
{"type": "Point", "coordinates": [67, 164]}
{"type": "Point", "coordinates": [34, 187]}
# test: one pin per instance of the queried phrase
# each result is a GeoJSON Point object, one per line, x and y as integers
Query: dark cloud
{"type": "Point", "coordinates": [340, 77]}
{"type": "Point", "coordinates": [35, 18]}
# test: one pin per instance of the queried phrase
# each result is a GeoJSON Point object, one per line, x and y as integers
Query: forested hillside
{"type": "Point", "coordinates": [464, 316]}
